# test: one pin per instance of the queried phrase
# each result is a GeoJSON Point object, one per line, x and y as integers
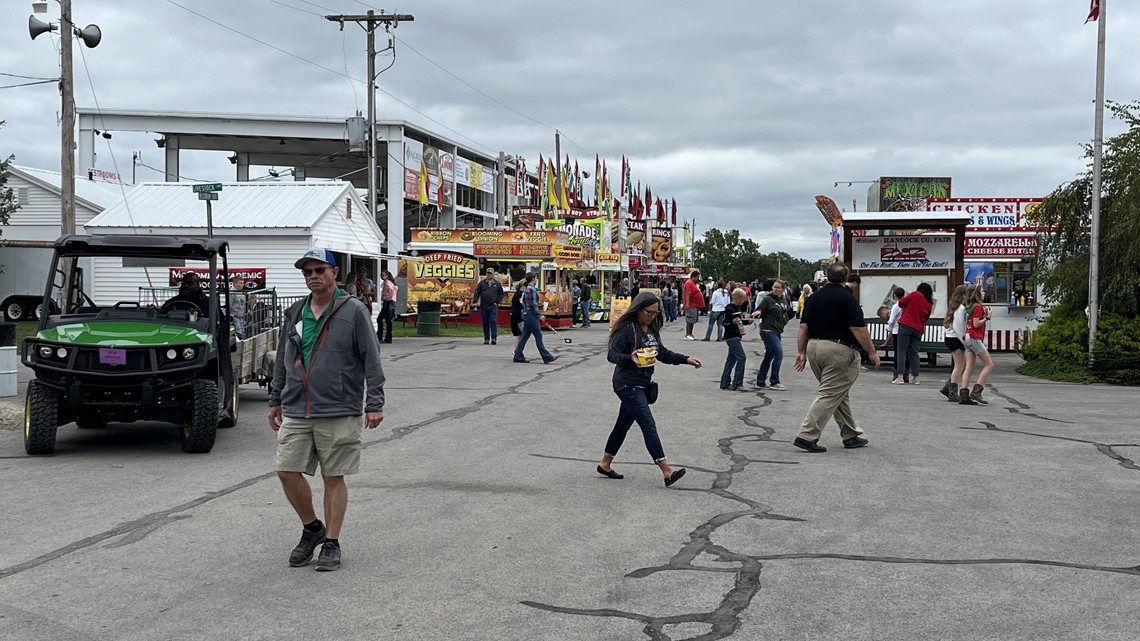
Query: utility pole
{"type": "Point", "coordinates": [558, 174]}
{"type": "Point", "coordinates": [369, 22]}
{"type": "Point", "coordinates": [501, 190]}
{"type": "Point", "coordinates": [67, 122]}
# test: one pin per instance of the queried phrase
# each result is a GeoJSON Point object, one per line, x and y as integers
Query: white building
{"type": "Point", "coordinates": [269, 226]}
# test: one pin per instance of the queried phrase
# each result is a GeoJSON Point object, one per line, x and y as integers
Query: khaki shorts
{"type": "Point", "coordinates": [332, 442]}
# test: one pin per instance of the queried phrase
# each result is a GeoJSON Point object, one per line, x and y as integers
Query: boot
{"type": "Point", "coordinates": [952, 393]}
{"type": "Point", "coordinates": [945, 389]}
{"type": "Point", "coordinates": [964, 397]}
{"type": "Point", "coordinates": [976, 394]}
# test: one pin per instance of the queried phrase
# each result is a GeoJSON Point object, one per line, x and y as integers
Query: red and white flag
{"type": "Point", "coordinates": [1094, 11]}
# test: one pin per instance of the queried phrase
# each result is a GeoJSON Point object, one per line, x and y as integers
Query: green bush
{"type": "Point", "coordinates": [1117, 355]}
{"type": "Point", "coordinates": [1062, 338]}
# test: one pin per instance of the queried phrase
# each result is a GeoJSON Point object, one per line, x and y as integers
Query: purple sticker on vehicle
{"type": "Point", "coordinates": [112, 356]}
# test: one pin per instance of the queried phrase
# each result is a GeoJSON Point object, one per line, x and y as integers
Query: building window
{"type": "Point", "coordinates": [22, 196]}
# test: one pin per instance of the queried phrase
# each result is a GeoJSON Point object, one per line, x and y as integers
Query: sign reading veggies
{"type": "Point", "coordinates": [444, 277]}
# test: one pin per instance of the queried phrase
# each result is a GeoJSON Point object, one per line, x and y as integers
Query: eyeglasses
{"type": "Point", "coordinates": [651, 313]}
{"type": "Point", "coordinates": [319, 271]}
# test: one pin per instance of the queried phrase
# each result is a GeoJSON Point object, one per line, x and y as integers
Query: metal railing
{"type": "Point", "coordinates": [264, 309]}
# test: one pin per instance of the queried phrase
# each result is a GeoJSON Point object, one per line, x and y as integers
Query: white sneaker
{"type": "Point", "coordinates": [690, 338]}
{"type": "Point", "coordinates": [779, 387]}
{"type": "Point", "coordinates": [896, 381]}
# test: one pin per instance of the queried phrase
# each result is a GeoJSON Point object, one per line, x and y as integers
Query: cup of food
{"type": "Point", "coordinates": [646, 356]}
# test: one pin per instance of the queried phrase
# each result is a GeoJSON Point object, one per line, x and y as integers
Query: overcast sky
{"type": "Point", "coordinates": [743, 111]}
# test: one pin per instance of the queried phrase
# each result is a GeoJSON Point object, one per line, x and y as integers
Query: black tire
{"type": "Point", "coordinates": [200, 420]}
{"type": "Point", "coordinates": [15, 309]}
{"type": "Point", "coordinates": [88, 423]}
{"type": "Point", "coordinates": [229, 417]}
{"type": "Point", "coordinates": [41, 418]}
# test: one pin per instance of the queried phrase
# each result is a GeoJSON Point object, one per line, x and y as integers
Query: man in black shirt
{"type": "Point", "coordinates": [585, 298]}
{"type": "Point", "coordinates": [488, 294]}
{"type": "Point", "coordinates": [831, 331]}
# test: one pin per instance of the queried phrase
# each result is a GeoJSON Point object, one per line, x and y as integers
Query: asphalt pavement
{"type": "Point", "coordinates": [478, 514]}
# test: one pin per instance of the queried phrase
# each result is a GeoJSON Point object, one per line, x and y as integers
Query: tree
{"type": "Point", "coordinates": [727, 256]}
{"type": "Point", "coordinates": [1062, 264]}
{"type": "Point", "coordinates": [716, 253]}
{"type": "Point", "coordinates": [8, 202]}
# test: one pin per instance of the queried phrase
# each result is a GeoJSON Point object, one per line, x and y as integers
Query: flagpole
{"type": "Point", "coordinates": [1098, 152]}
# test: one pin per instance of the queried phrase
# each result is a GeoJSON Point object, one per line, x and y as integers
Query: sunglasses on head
{"type": "Point", "coordinates": [319, 271]}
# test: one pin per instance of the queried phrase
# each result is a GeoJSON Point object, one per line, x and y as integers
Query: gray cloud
{"type": "Point", "coordinates": [742, 111]}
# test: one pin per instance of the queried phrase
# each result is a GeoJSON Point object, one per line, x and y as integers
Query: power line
{"type": "Point", "coordinates": [16, 75]}
{"type": "Point", "coordinates": [289, 6]}
{"type": "Point", "coordinates": [28, 84]}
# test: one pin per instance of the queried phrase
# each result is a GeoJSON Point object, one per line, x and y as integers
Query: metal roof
{"type": "Point", "coordinates": [141, 246]}
{"type": "Point", "coordinates": [94, 194]}
{"type": "Point", "coordinates": [240, 205]}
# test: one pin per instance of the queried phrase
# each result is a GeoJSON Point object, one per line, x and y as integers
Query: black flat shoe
{"type": "Point", "coordinates": [610, 473]}
{"type": "Point", "coordinates": [854, 442]}
{"type": "Point", "coordinates": [674, 477]}
{"type": "Point", "coordinates": [811, 446]}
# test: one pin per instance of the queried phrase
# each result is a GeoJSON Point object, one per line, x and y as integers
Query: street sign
{"type": "Point", "coordinates": [207, 195]}
{"type": "Point", "coordinates": [207, 187]}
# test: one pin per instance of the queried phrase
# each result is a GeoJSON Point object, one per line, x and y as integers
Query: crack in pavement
{"type": "Point", "coordinates": [1103, 448]}
{"type": "Point", "coordinates": [149, 522]}
{"type": "Point", "coordinates": [1020, 407]}
{"type": "Point", "coordinates": [399, 357]}
{"type": "Point", "coordinates": [725, 619]}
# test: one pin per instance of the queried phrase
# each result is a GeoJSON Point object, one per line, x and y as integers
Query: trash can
{"type": "Point", "coordinates": [7, 359]}
{"type": "Point", "coordinates": [427, 318]}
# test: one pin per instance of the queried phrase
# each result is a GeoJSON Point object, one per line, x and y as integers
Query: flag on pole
{"type": "Point", "coordinates": [674, 212]}
{"type": "Point", "coordinates": [552, 186]}
{"type": "Point", "coordinates": [628, 184]}
{"type": "Point", "coordinates": [542, 204]}
{"type": "Point", "coordinates": [1094, 11]}
{"type": "Point", "coordinates": [624, 175]}
{"type": "Point", "coordinates": [660, 212]}
{"type": "Point", "coordinates": [648, 204]}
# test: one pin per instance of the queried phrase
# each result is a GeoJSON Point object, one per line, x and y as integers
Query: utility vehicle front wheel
{"type": "Point", "coordinates": [41, 416]}
{"type": "Point", "coordinates": [200, 419]}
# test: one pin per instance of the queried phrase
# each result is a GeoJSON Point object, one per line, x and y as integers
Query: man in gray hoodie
{"type": "Point", "coordinates": [327, 374]}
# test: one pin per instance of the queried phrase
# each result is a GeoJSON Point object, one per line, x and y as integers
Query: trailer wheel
{"type": "Point", "coordinates": [14, 310]}
{"type": "Point", "coordinates": [41, 414]}
{"type": "Point", "coordinates": [229, 416]}
{"type": "Point", "coordinates": [200, 420]}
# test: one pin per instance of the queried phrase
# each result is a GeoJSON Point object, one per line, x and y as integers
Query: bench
{"type": "Point", "coordinates": [931, 344]}
{"type": "Point", "coordinates": [444, 319]}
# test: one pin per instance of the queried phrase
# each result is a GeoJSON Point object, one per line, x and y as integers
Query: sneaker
{"type": "Point", "coordinates": [486, 342]}
{"type": "Point", "coordinates": [303, 553]}
{"type": "Point", "coordinates": [329, 558]}
{"type": "Point", "coordinates": [690, 338]}
{"type": "Point", "coordinates": [494, 341]}
{"type": "Point", "coordinates": [914, 381]}
{"type": "Point", "coordinates": [897, 381]}
{"type": "Point", "coordinates": [705, 339]}
{"type": "Point", "coordinates": [779, 387]}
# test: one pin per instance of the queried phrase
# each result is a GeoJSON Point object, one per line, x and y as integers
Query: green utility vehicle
{"type": "Point", "coordinates": [168, 362]}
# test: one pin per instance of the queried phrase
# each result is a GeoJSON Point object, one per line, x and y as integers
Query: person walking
{"type": "Point", "coordinates": [575, 296]}
{"type": "Point", "coordinates": [692, 300]}
{"type": "Point", "coordinates": [326, 376]}
{"type": "Point", "coordinates": [516, 311]}
{"type": "Point", "coordinates": [585, 302]}
{"type": "Point", "coordinates": [669, 298]}
{"type": "Point", "coordinates": [772, 311]}
{"type": "Point", "coordinates": [916, 307]}
{"type": "Point", "coordinates": [976, 315]}
{"type": "Point", "coordinates": [734, 319]}
{"type": "Point", "coordinates": [900, 371]}
{"type": "Point", "coordinates": [488, 294]}
{"type": "Point", "coordinates": [831, 330]}
{"type": "Point", "coordinates": [365, 289]}
{"type": "Point", "coordinates": [531, 314]}
{"type": "Point", "coordinates": [718, 301]}
{"type": "Point", "coordinates": [388, 292]}
{"type": "Point", "coordinates": [955, 328]}
{"type": "Point", "coordinates": [639, 328]}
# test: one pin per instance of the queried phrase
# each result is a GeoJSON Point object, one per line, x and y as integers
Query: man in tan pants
{"type": "Point", "coordinates": [831, 330]}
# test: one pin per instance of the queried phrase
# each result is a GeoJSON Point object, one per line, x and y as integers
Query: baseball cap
{"type": "Point", "coordinates": [316, 253]}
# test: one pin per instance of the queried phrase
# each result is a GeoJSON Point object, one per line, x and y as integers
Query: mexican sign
{"type": "Point", "coordinates": [990, 214]}
{"type": "Point", "coordinates": [903, 252]}
{"type": "Point", "coordinates": [897, 193]}
{"type": "Point", "coordinates": [254, 276]}
{"type": "Point", "coordinates": [445, 277]}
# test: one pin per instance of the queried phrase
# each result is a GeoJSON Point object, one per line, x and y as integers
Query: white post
{"type": "Point", "coordinates": [1098, 152]}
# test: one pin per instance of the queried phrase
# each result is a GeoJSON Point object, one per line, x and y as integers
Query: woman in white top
{"type": "Point", "coordinates": [893, 338]}
{"type": "Point", "coordinates": [955, 324]}
{"type": "Point", "coordinates": [717, 302]}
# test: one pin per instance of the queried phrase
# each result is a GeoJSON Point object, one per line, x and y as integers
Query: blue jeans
{"type": "Point", "coordinates": [736, 359]}
{"type": "Point", "coordinates": [908, 346]}
{"type": "Point", "coordinates": [531, 327]}
{"type": "Point", "coordinates": [584, 305]}
{"type": "Point", "coordinates": [490, 321]}
{"type": "Point", "coordinates": [670, 309]}
{"type": "Point", "coordinates": [773, 357]}
{"type": "Point", "coordinates": [634, 407]}
{"type": "Point", "coordinates": [384, 321]}
{"type": "Point", "coordinates": [714, 319]}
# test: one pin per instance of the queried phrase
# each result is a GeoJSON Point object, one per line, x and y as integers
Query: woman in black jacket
{"type": "Point", "coordinates": [516, 312]}
{"type": "Point", "coordinates": [639, 328]}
